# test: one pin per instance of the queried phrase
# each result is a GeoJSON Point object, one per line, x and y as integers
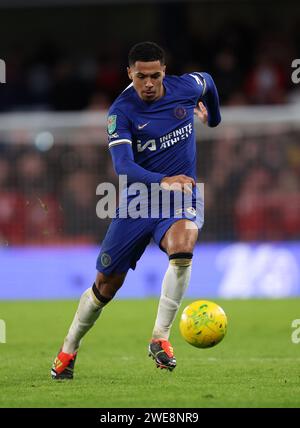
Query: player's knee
{"type": "Point", "coordinates": [181, 238]}
{"type": "Point", "coordinates": [181, 246]}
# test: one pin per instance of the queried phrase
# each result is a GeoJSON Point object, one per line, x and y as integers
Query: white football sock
{"type": "Point", "coordinates": [88, 311]}
{"type": "Point", "coordinates": [174, 285]}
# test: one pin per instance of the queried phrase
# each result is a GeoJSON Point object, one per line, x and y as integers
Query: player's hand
{"type": "Point", "coordinates": [201, 112]}
{"type": "Point", "coordinates": [181, 183]}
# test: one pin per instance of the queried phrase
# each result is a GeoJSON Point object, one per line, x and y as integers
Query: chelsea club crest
{"type": "Point", "coordinates": [105, 259]}
{"type": "Point", "coordinates": [180, 112]}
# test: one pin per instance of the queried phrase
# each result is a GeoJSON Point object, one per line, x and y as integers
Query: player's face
{"type": "Point", "coordinates": [147, 79]}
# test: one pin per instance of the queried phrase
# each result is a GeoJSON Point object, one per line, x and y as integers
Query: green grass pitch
{"type": "Point", "coordinates": [256, 365]}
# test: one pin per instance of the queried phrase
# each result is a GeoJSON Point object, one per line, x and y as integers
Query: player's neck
{"type": "Point", "coordinates": [162, 91]}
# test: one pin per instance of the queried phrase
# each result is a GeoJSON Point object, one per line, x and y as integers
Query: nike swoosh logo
{"type": "Point", "coordinates": [143, 126]}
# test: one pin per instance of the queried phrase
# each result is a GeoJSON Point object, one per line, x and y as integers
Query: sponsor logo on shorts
{"type": "Point", "coordinates": [191, 210]}
{"type": "Point", "coordinates": [181, 211]}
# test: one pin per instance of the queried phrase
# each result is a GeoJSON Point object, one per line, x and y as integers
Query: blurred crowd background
{"type": "Point", "coordinates": [75, 58]}
{"type": "Point", "coordinates": [252, 190]}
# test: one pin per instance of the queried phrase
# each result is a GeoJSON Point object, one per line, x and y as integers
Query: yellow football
{"type": "Point", "coordinates": [203, 324]}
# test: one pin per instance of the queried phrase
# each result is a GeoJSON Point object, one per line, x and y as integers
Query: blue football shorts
{"type": "Point", "coordinates": [127, 238]}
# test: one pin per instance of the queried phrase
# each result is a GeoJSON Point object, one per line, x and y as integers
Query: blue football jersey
{"type": "Point", "coordinates": [162, 143]}
{"type": "Point", "coordinates": [161, 133]}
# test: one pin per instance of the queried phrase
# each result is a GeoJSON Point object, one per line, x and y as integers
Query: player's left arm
{"type": "Point", "coordinates": [210, 100]}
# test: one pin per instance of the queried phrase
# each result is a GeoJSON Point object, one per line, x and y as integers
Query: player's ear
{"type": "Point", "coordinates": [164, 70]}
{"type": "Point", "coordinates": [129, 73]}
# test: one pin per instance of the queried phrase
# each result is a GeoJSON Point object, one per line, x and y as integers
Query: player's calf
{"type": "Point", "coordinates": [106, 286]}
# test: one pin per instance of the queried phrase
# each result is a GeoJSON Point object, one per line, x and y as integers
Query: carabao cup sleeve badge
{"type": "Point", "coordinates": [111, 123]}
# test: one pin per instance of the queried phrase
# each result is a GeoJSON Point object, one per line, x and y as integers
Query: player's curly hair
{"type": "Point", "coordinates": [146, 51]}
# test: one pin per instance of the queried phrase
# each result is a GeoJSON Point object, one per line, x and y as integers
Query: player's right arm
{"type": "Point", "coordinates": [120, 145]}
